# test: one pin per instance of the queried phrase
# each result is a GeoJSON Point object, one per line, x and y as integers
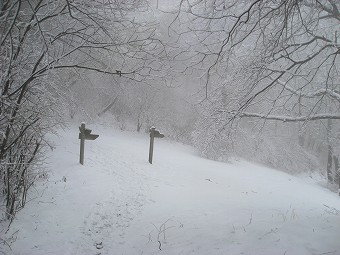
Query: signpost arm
{"type": "Point", "coordinates": [82, 143]}
{"type": "Point", "coordinates": [152, 137]}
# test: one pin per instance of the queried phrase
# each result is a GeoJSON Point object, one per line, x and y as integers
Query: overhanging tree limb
{"type": "Point", "coordinates": [320, 92]}
{"type": "Point", "coordinates": [282, 118]}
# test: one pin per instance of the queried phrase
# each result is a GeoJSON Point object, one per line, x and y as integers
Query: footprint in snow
{"type": "Point", "coordinates": [99, 245]}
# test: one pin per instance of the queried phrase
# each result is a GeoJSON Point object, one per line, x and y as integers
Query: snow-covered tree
{"type": "Point", "coordinates": [264, 60]}
{"type": "Point", "coordinates": [39, 38]}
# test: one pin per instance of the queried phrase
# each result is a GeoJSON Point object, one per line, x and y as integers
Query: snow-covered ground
{"type": "Point", "coordinates": [117, 203]}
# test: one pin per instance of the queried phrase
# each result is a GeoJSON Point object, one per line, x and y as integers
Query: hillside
{"type": "Point", "coordinates": [117, 203]}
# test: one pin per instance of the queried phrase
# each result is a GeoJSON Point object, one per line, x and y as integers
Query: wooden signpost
{"type": "Point", "coordinates": [153, 133]}
{"type": "Point", "coordinates": [85, 134]}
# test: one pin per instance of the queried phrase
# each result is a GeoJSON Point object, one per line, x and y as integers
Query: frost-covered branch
{"type": "Point", "coordinates": [282, 118]}
{"type": "Point", "coordinates": [320, 92]}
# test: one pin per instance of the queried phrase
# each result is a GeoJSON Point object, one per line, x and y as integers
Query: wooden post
{"type": "Point", "coordinates": [82, 143]}
{"type": "Point", "coordinates": [85, 134]}
{"type": "Point", "coordinates": [152, 138]}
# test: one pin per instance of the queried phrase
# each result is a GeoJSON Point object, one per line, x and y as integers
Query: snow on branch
{"type": "Point", "coordinates": [320, 92]}
{"type": "Point", "coordinates": [321, 116]}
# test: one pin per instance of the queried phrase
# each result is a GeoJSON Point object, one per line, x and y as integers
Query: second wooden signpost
{"type": "Point", "coordinates": [153, 133]}
{"type": "Point", "coordinates": [85, 134]}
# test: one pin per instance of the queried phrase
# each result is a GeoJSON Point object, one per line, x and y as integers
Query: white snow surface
{"type": "Point", "coordinates": [118, 203]}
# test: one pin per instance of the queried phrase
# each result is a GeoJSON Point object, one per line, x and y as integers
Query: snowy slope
{"type": "Point", "coordinates": [117, 203]}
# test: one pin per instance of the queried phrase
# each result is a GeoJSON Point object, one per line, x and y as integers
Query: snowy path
{"type": "Point", "coordinates": [182, 204]}
{"type": "Point", "coordinates": [108, 220]}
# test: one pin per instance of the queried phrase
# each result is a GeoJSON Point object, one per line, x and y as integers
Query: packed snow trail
{"type": "Point", "coordinates": [117, 203]}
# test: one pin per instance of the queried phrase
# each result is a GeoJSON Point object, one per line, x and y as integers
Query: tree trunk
{"type": "Point", "coordinates": [139, 125]}
{"type": "Point", "coordinates": [337, 171]}
{"type": "Point", "coordinates": [330, 153]}
{"type": "Point", "coordinates": [301, 137]}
